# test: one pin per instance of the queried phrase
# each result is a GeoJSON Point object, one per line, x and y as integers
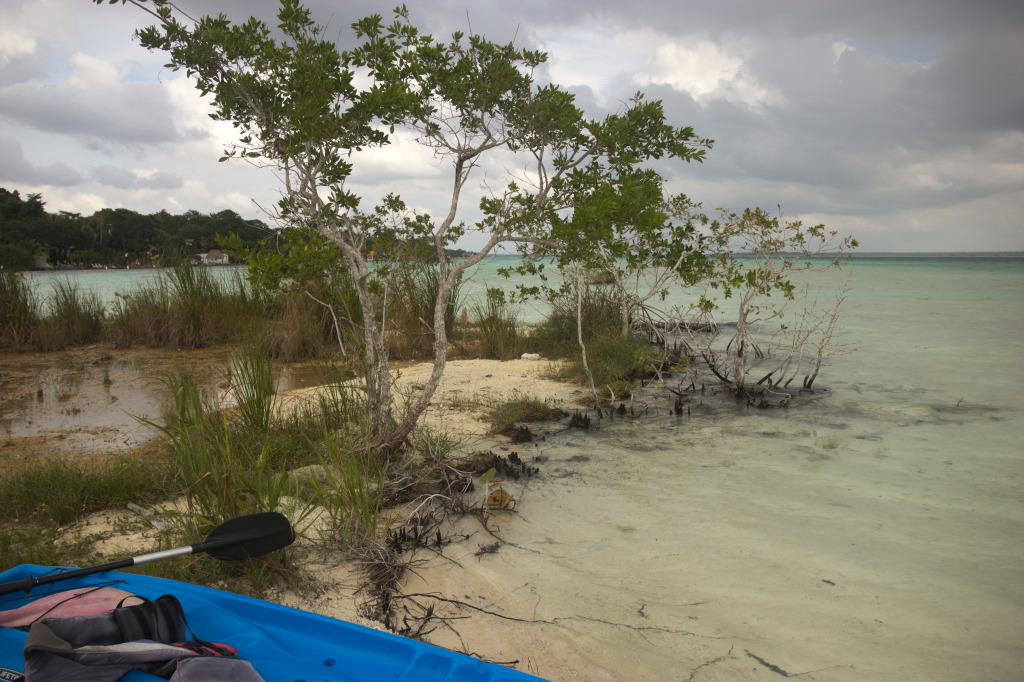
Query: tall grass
{"type": "Point", "coordinates": [338, 405]}
{"type": "Point", "coordinates": [74, 317]}
{"type": "Point", "coordinates": [221, 472]}
{"type": "Point", "coordinates": [238, 461]}
{"type": "Point", "coordinates": [298, 330]}
{"type": "Point", "coordinates": [410, 303]}
{"type": "Point", "coordinates": [495, 330]}
{"type": "Point", "coordinates": [187, 308]}
{"type": "Point", "coordinates": [69, 317]}
{"type": "Point", "coordinates": [350, 489]}
{"type": "Point", "coordinates": [252, 383]}
{"type": "Point", "coordinates": [19, 311]}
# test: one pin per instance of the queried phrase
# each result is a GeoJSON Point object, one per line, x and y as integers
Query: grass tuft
{"type": "Point", "coordinates": [59, 493]}
{"type": "Point", "coordinates": [506, 415]}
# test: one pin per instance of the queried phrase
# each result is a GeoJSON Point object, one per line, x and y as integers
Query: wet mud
{"type": "Point", "coordinates": [88, 403]}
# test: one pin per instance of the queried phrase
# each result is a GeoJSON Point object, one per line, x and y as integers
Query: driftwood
{"type": "Point", "coordinates": [155, 520]}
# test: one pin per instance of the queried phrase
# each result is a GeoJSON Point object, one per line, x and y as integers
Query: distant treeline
{"type": "Point", "coordinates": [32, 238]}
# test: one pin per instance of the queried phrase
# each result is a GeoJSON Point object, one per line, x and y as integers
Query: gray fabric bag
{"type": "Point", "coordinates": [101, 648]}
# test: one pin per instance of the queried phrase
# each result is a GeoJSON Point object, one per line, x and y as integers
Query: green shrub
{"type": "Point", "coordinates": [556, 336]}
{"type": "Point", "coordinates": [16, 257]}
{"type": "Point", "coordinates": [614, 360]}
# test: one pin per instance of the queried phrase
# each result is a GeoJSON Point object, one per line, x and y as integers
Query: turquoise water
{"type": "Point", "coordinates": [875, 532]}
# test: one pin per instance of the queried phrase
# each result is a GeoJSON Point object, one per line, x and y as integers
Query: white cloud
{"type": "Point", "coordinates": [706, 71]}
{"type": "Point", "coordinates": [86, 203]}
{"type": "Point", "coordinates": [838, 49]}
{"type": "Point", "coordinates": [191, 115]}
{"type": "Point", "coordinates": [14, 43]}
{"type": "Point", "coordinates": [594, 58]}
{"type": "Point", "coordinates": [237, 202]}
{"type": "Point", "coordinates": [93, 72]}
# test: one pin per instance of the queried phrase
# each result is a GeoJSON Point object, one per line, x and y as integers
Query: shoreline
{"type": "Point", "coordinates": [862, 537]}
{"type": "Point", "coordinates": [487, 615]}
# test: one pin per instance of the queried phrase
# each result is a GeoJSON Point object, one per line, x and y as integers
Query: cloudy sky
{"type": "Point", "coordinates": [900, 122]}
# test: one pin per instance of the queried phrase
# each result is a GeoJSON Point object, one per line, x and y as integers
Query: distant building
{"type": "Point", "coordinates": [214, 257]}
{"type": "Point", "coordinates": [41, 262]}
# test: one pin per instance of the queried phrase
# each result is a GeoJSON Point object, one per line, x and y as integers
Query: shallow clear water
{"type": "Point", "coordinates": [873, 533]}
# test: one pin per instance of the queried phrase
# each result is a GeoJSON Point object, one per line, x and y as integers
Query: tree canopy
{"type": "Point", "coordinates": [306, 107]}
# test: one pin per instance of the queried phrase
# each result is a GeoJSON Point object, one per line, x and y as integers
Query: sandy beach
{"type": "Point", "coordinates": [494, 614]}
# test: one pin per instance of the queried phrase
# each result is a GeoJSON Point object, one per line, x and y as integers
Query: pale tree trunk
{"type": "Point", "coordinates": [577, 274]}
{"type": "Point", "coordinates": [376, 367]}
{"type": "Point", "coordinates": [448, 277]}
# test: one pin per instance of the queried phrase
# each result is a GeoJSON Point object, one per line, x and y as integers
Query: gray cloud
{"type": "Point", "coordinates": [978, 83]}
{"type": "Point", "coordinates": [15, 168]}
{"type": "Point", "coordinates": [922, 115]}
{"type": "Point", "coordinates": [21, 68]}
{"type": "Point", "coordinates": [131, 113]}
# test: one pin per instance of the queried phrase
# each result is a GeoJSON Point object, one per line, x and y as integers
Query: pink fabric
{"type": "Point", "coordinates": [83, 601]}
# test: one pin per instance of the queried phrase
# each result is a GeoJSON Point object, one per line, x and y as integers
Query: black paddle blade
{"type": "Point", "coordinates": [247, 536]}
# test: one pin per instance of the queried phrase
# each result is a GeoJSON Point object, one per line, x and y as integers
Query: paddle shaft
{"type": "Point", "coordinates": [239, 538]}
{"type": "Point", "coordinates": [29, 582]}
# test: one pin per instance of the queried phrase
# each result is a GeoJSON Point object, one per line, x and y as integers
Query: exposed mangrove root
{"type": "Point", "coordinates": [487, 549]}
{"type": "Point", "coordinates": [579, 421]}
{"type": "Point", "coordinates": [461, 604]}
{"type": "Point", "coordinates": [785, 673]}
{"type": "Point", "coordinates": [384, 569]}
{"type": "Point", "coordinates": [411, 538]}
{"type": "Point", "coordinates": [771, 666]}
{"type": "Point", "coordinates": [520, 434]}
{"type": "Point", "coordinates": [510, 466]}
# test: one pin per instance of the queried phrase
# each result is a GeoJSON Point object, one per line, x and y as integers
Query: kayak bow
{"type": "Point", "coordinates": [283, 644]}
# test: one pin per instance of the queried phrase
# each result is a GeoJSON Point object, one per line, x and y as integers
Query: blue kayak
{"type": "Point", "coordinates": [283, 644]}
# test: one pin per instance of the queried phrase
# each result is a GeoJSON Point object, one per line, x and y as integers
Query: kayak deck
{"type": "Point", "coordinates": [283, 644]}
